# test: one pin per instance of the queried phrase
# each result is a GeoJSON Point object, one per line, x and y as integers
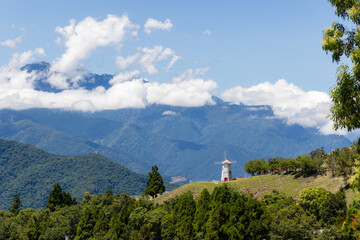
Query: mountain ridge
{"type": "Point", "coordinates": [181, 141]}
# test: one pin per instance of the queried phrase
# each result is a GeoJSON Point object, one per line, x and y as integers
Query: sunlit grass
{"type": "Point", "coordinates": [261, 185]}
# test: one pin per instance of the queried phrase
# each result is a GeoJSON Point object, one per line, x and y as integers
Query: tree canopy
{"type": "Point", "coordinates": [344, 40]}
{"type": "Point", "coordinates": [16, 205]}
{"type": "Point", "coordinates": [155, 184]}
{"type": "Point", "coordinates": [59, 199]}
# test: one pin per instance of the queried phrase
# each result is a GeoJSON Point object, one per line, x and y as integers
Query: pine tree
{"type": "Point", "coordinates": [59, 199]}
{"type": "Point", "coordinates": [16, 205]}
{"type": "Point", "coordinates": [155, 184]}
{"type": "Point", "coordinates": [202, 213]}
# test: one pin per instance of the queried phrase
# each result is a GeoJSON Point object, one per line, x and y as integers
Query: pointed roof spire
{"type": "Point", "coordinates": [226, 162]}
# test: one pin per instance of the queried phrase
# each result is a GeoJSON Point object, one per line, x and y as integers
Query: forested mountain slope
{"type": "Point", "coordinates": [32, 173]}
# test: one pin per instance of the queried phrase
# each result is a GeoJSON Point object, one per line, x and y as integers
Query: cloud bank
{"type": "Point", "coordinates": [309, 109]}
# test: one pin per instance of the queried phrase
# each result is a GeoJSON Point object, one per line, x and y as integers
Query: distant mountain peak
{"type": "Point", "coordinates": [36, 66]}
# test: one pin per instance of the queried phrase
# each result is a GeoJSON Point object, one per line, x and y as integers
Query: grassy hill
{"type": "Point", "coordinates": [261, 185]}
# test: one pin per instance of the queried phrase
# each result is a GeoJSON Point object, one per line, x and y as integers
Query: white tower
{"type": "Point", "coordinates": [226, 174]}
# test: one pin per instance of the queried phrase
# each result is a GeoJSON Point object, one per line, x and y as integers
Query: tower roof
{"type": "Point", "coordinates": [226, 162]}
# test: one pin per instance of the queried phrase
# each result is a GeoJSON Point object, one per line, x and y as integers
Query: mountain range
{"type": "Point", "coordinates": [181, 141]}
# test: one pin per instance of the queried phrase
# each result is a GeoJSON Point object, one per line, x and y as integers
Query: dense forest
{"type": "Point", "coordinates": [32, 172]}
{"type": "Point", "coordinates": [222, 214]}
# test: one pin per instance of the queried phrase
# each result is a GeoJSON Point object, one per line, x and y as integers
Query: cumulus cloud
{"type": "Point", "coordinates": [153, 24]}
{"type": "Point", "coordinates": [83, 37]}
{"type": "Point", "coordinates": [289, 102]}
{"type": "Point", "coordinates": [20, 59]}
{"type": "Point", "coordinates": [146, 58]}
{"type": "Point", "coordinates": [11, 43]}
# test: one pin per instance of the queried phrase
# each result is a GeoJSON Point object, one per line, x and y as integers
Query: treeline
{"type": "Point", "coordinates": [338, 163]}
{"type": "Point", "coordinates": [222, 214]}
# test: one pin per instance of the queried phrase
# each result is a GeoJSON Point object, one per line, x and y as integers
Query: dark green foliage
{"type": "Point", "coordinates": [87, 223]}
{"type": "Point", "coordinates": [333, 208]}
{"type": "Point", "coordinates": [16, 205]}
{"type": "Point", "coordinates": [276, 200]}
{"type": "Point", "coordinates": [312, 199]}
{"type": "Point", "coordinates": [223, 214]}
{"type": "Point", "coordinates": [59, 199]}
{"type": "Point", "coordinates": [183, 212]}
{"type": "Point", "coordinates": [236, 216]}
{"type": "Point", "coordinates": [168, 227]}
{"type": "Point", "coordinates": [318, 153]}
{"type": "Point", "coordinates": [338, 163]}
{"type": "Point", "coordinates": [202, 213]}
{"type": "Point", "coordinates": [258, 166]}
{"type": "Point", "coordinates": [31, 173]}
{"type": "Point", "coordinates": [155, 184]}
{"type": "Point", "coordinates": [292, 222]}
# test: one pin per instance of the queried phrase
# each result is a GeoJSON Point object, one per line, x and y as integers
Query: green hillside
{"type": "Point", "coordinates": [31, 172]}
{"type": "Point", "coordinates": [261, 185]}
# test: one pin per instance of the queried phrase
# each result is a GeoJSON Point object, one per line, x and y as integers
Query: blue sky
{"type": "Point", "coordinates": [250, 41]}
{"type": "Point", "coordinates": [235, 50]}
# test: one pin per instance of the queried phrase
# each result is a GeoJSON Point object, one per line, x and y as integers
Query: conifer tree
{"type": "Point", "coordinates": [202, 212]}
{"type": "Point", "coordinates": [16, 205]}
{"type": "Point", "coordinates": [155, 184]}
{"type": "Point", "coordinates": [59, 198]}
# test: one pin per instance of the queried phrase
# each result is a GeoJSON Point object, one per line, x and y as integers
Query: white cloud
{"type": "Point", "coordinates": [171, 113]}
{"type": "Point", "coordinates": [11, 43]}
{"type": "Point", "coordinates": [257, 108]}
{"type": "Point", "coordinates": [83, 37]}
{"type": "Point", "coordinates": [129, 94]}
{"type": "Point", "coordinates": [18, 60]}
{"type": "Point", "coordinates": [124, 63]}
{"type": "Point", "coordinates": [188, 93]}
{"type": "Point", "coordinates": [288, 101]}
{"type": "Point", "coordinates": [172, 62]}
{"type": "Point", "coordinates": [153, 24]}
{"type": "Point", "coordinates": [12, 80]}
{"type": "Point", "coordinates": [146, 59]}
{"type": "Point", "coordinates": [126, 76]}
{"type": "Point", "coordinates": [58, 80]}
{"type": "Point", "coordinates": [17, 90]}
{"type": "Point", "coordinates": [207, 32]}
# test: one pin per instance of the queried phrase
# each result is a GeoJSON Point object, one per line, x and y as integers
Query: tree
{"type": "Point", "coordinates": [202, 213]}
{"type": "Point", "coordinates": [155, 184]}
{"type": "Point", "coordinates": [344, 41]}
{"type": "Point", "coordinates": [312, 199]}
{"type": "Point", "coordinates": [292, 222]}
{"type": "Point", "coordinates": [16, 205]}
{"type": "Point", "coordinates": [58, 199]}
